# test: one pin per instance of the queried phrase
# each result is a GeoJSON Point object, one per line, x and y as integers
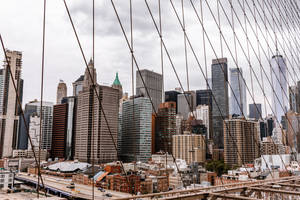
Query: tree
{"type": "Point", "coordinates": [217, 166]}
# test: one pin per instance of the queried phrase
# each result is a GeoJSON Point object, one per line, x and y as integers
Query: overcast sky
{"type": "Point", "coordinates": [21, 29]}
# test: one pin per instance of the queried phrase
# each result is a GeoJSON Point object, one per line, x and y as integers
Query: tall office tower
{"type": "Point", "coordinates": [1, 89]}
{"type": "Point", "coordinates": [293, 131]}
{"type": "Point", "coordinates": [172, 96]}
{"type": "Point", "coordinates": [220, 107]}
{"type": "Point", "coordinates": [77, 85]}
{"type": "Point", "coordinates": [255, 111]}
{"type": "Point", "coordinates": [136, 134]}
{"type": "Point", "coordinates": [61, 91]}
{"type": "Point", "coordinates": [153, 83]}
{"type": "Point", "coordinates": [71, 125]}
{"type": "Point", "coordinates": [34, 131]}
{"type": "Point", "coordinates": [238, 102]}
{"type": "Point", "coordinates": [117, 85]}
{"type": "Point", "coordinates": [294, 97]}
{"type": "Point", "coordinates": [92, 138]}
{"type": "Point", "coordinates": [186, 103]}
{"type": "Point", "coordinates": [203, 113]}
{"type": "Point", "coordinates": [31, 108]}
{"type": "Point", "coordinates": [165, 127]}
{"type": "Point", "coordinates": [279, 82]}
{"type": "Point", "coordinates": [245, 149]}
{"type": "Point", "coordinates": [9, 117]}
{"type": "Point", "coordinates": [189, 147]}
{"type": "Point", "coordinates": [59, 131]}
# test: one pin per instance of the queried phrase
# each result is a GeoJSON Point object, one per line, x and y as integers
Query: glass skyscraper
{"type": "Point", "coordinates": [238, 104]}
{"type": "Point", "coordinates": [136, 130]}
{"type": "Point", "coordinates": [279, 79]}
{"type": "Point", "coordinates": [220, 107]}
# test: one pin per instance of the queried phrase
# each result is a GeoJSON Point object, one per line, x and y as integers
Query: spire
{"type": "Point", "coordinates": [91, 63]}
{"type": "Point", "coordinates": [117, 81]}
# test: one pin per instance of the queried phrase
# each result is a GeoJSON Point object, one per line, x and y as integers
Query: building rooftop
{"type": "Point", "coordinates": [68, 166]}
{"type": "Point", "coordinates": [117, 81]}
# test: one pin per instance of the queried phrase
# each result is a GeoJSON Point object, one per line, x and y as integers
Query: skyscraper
{"type": "Point", "coordinates": [92, 138]}
{"type": "Point", "coordinates": [31, 108]}
{"type": "Point", "coordinates": [245, 147]}
{"type": "Point", "coordinates": [255, 111]}
{"type": "Point", "coordinates": [238, 102]}
{"type": "Point", "coordinates": [220, 108]}
{"type": "Point", "coordinates": [165, 126]}
{"type": "Point", "coordinates": [153, 83]}
{"type": "Point", "coordinates": [136, 134]}
{"type": "Point", "coordinates": [9, 117]}
{"type": "Point", "coordinates": [279, 82]}
{"type": "Point", "coordinates": [61, 91]}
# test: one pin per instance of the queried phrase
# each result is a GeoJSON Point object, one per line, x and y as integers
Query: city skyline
{"type": "Point", "coordinates": [58, 63]}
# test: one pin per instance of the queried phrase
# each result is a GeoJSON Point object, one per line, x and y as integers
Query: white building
{"type": "Point", "coordinates": [202, 113]}
{"type": "Point", "coordinates": [9, 118]}
{"type": "Point", "coordinates": [34, 132]}
{"type": "Point", "coordinates": [6, 179]}
{"type": "Point", "coordinates": [279, 77]}
{"type": "Point", "coordinates": [275, 161]}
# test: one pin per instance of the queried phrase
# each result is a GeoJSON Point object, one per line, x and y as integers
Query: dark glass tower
{"type": "Point", "coordinates": [220, 107]}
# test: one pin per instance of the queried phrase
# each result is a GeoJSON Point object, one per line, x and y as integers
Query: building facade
{"type": "Point", "coordinates": [165, 127]}
{"type": "Point", "coordinates": [34, 132]}
{"type": "Point", "coordinates": [220, 106]}
{"type": "Point", "coordinates": [33, 109]}
{"type": "Point", "coordinates": [93, 136]}
{"type": "Point", "coordinates": [186, 103]}
{"type": "Point", "coordinates": [9, 117]}
{"type": "Point", "coordinates": [153, 83]}
{"type": "Point", "coordinates": [136, 130]}
{"type": "Point", "coordinates": [59, 131]}
{"type": "Point", "coordinates": [78, 85]}
{"type": "Point", "coordinates": [294, 97]}
{"type": "Point", "coordinates": [203, 113]}
{"type": "Point", "coordinates": [255, 111]}
{"type": "Point", "coordinates": [61, 91]}
{"type": "Point", "coordinates": [238, 100]}
{"type": "Point", "coordinates": [189, 147]}
{"type": "Point", "coordinates": [71, 127]}
{"type": "Point", "coordinates": [241, 144]}
{"type": "Point", "coordinates": [172, 96]}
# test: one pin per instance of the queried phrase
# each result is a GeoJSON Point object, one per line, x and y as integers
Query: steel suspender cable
{"type": "Point", "coordinates": [42, 95]}
{"type": "Point", "coordinates": [185, 50]}
{"type": "Point", "coordinates": [93, 81]}
{"type": "Point", "coordinates": [136, 64]}
{"type": "Point", "coordinates": [204, 47]}
{"type": "Point", "coordinates": [245, 53]}
{"type": "Point", "coordinates": [92, 109]}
